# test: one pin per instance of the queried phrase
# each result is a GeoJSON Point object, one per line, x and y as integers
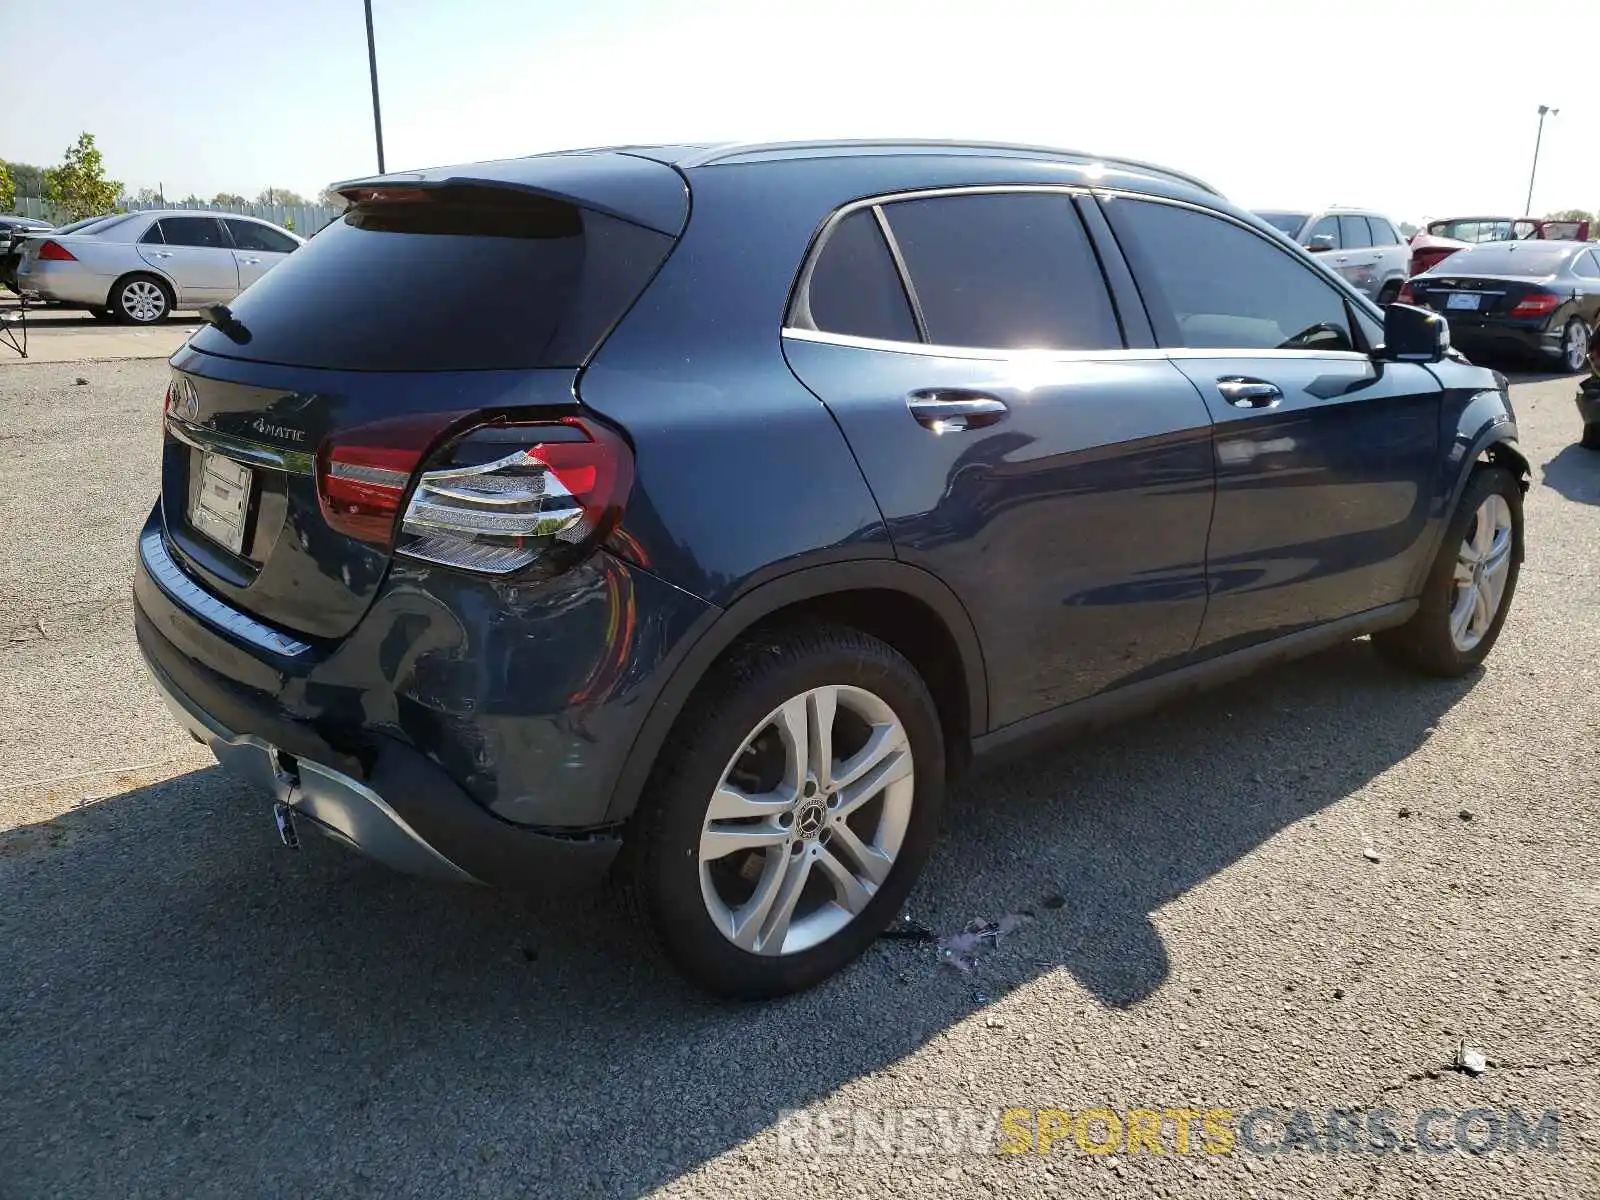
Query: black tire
{"type": "Point", "coordinates": [1591, 436]}
{"type": "Point", "coordinates": [661, 866]}
{"type": "Point", "coordinates": [126, 295]}
{"type": "Point", "coordinates": [1424, 643]}
{"type": "Point", "coordinates": [1389, 294]}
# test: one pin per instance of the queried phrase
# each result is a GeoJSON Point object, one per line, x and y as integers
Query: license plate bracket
{"type": "Point", "coordinates": [1466, 300]}
{"type": "Point", "coordinates": [221, 503]}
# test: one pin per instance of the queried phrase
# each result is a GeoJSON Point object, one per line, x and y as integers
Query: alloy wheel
{"type": "Point", "coordinates": [1575, 346]}
{"type": "Point", "coordinates": [807, 820]}
{"type": "Point", "coordinates": [143, 301]}
{"type": "Point", "coordinates": [1482, 567]}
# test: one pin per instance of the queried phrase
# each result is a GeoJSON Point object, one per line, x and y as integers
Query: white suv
{"type": "Point", "coordinates": [1365, 247]}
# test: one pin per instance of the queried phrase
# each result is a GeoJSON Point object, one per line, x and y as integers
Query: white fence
{"type": "Point", "coordinates": [304, 219]}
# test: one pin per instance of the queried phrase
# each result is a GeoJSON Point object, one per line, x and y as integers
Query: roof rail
{"type": "Point", "coordinates": [731, 150]}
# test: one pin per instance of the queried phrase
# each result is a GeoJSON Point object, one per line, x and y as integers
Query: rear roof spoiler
{"type": "Point", "coordinates": [634, 189]}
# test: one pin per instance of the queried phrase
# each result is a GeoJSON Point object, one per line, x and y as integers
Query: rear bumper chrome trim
{"type": "Point", "coordinates": [182, 590]}
{"type": "Point", "coordinates": [336, 804]}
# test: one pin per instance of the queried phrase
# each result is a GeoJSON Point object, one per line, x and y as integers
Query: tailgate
{"type": "Point", "coordinates": [298, 424]}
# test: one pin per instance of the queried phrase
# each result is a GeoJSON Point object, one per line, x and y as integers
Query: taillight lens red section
{"type": "Point", "coordinates": [508, 496]}
{"type": "Point", "coordinates": [363, 473]}
{"type": "Point", "coordinates": [1406, 296]}
{"type": "Point", "coordinates": [1537, 304]}
{"type": "Point", "coordinates": [55, 252]}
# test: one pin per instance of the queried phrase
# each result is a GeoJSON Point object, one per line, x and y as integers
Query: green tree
{"type": "Point", "coordinates": [8, 190]}
{"type": "Point", "coordinates": [27, 179]}
{"type": "Point", "coordinates": [1571, 214]}
{"type": "Point", "coordinates": [227, 198]}
{"type": "Point", "coordinates": [285, 196]}
{"type": "Point", "coordinates": [79, 186]}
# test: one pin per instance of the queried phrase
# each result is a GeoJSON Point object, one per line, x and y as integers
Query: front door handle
{"type": "Point", "coordinates": [249, 261]}
{"type": "Point", "coordinates": [950, 410]}
{"type": "Point", "coordinates": [1243, 392]}
{"type": "Point", "coordinates": [161, 253]}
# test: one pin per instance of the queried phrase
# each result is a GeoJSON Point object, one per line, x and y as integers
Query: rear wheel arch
{"type": "Point", "coordinates": [901, 605]}
{"type": "Point", "coordinates": [154, 276]}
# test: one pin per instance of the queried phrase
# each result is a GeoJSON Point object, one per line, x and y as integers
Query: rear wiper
{"type": "Point", "coordinates": [221, 316]}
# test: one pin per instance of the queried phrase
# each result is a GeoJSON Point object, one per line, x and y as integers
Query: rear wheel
{"type": "Point", "coordinates": [1468, 592]}
{"type": "Point", "coordinates": [1389, 294]}
{"type": "Point", "coordinates": [141, 300]}
{"type": "Point", "coordinates": [787, 825]}
{"type": "Point", "coordinates": [1591, 436]}
{"type": "Point", "coordinates": [1575, 346]}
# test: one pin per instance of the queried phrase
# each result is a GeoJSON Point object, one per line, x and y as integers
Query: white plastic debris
{"type": "Point", "coordinates": [1470, 1059]}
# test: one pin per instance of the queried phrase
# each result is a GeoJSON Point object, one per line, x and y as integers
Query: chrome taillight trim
{"type": "Point", "coordinates": [184, 591]}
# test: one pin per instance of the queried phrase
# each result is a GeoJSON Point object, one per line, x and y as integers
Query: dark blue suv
{"type": "Point", "coordinates": [697, 512]}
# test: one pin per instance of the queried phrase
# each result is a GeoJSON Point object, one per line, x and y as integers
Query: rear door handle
{"type": "Point", "coordinates": [1244, 392]}
{"type": "Point", "coordinates": [249, 260]}
{"type": "Point", "coordinates": [161, 253]}
{"type": "Point", "coordinates": [950, 410]}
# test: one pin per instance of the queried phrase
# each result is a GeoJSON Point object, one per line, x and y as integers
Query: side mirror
{"type": "Point", "coordinates": [1412, 334]}
{"type": "Point", "coordinates": [1320, 243]}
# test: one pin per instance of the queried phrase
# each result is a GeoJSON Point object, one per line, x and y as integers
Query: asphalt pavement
{"type": "Point", "coordinates": [1303, 892]}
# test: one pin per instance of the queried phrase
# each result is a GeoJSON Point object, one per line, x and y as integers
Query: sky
{"type": "Point", "coordinates": [1418, 108]}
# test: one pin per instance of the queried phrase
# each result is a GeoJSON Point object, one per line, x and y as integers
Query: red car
{"type": "Point", "coordinates": [1440, 239]}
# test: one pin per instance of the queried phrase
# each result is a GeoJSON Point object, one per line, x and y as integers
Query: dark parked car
{"type": "Point", "coordinates": [706, 548]}
{"type": "Point", "coordinates": [1531, 298]}
{"type": "Point", "coordinates": [13, 229]}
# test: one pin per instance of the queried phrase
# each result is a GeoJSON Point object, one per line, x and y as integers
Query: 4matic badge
{"type": "Point", "coordinates": [283, 432]}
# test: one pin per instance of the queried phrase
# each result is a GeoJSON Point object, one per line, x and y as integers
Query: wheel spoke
{"type": "Point", "coordinates": [748, 918]}
{"type": "Point", "coordinates": [872, 863]}
{"type": "Point", "coordinates": [1481, 612]}
{"type": "Point", "coordinates": [793, 725]}
{"type": "Point", "coordinates": [1483, 535]}
{"type": "Point", "coordinates": [1462, 613]}
{"type": "Point", "coordinates": [775, 927]}
{"type": "Point", "coordinates": [847, 889]}
{"type": "Point", "coordinates": [891, 766]}
{"type": "Point", "coordinates": [721, 839]}
{"type": "Point", "coordinates": [728, 803]}
{"type": "Point", "coordinates": [821, 707]}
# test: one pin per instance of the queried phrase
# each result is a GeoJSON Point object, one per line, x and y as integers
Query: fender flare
{"type": "Point", "coordinates": [721, 628]}
{"type": "Point", "coordinates": [1498, 438]}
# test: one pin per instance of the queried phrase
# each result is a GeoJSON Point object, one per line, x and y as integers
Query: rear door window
{"type": "Point", "coordinates": [1005, 271]}
{"type": "Point", "coordinates": [854, 287]}
{"type": "Point", "coordinates": [251, 235]}
{"type": "Point", "coordinates": [449, 279]}
{"type": "Point", "coordinates": [1327, 227]}
{"type": "Point", "coordinates": [193, 231]}
{"type": "Point", "coordinates": [1353, 233]}
{"type": "Point", "coordinates": [1211, 284]}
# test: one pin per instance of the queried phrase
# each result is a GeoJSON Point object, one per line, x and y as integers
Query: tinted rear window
{"type": "Point", "coordinates": [1505, 258]}
{"type": "Point", "coordinates": [465, 280]}
{"type": "Point", "coordinates": [1286, 222]}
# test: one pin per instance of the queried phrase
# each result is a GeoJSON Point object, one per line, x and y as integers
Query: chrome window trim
{"type": "Point", "coordinates": [245, 450]}
{"type": "Point", "coordinates": [193, 598]}
{"type": "Point", "coordinates": [1012, 354]}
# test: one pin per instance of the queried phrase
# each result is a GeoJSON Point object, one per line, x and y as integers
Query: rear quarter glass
{"type": "Point", "coordinates": [451, 282]}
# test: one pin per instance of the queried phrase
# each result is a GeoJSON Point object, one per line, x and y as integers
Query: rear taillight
{"type": "Point", "coordinates": [363, 473]}
{"type": "Point", "coordinates": [55, 252]}
{"type": "Point", "coordinates": [1536, 304]}
{"type": "Point", "coordinates": [1406, 296]}
{"type": "Point", "coordinates": [503, 497]}
{"type": "Point", "coordinates": [496, 499]}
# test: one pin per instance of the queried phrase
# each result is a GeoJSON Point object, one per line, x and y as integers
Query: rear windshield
{"type": "Point", "coordinates": [1506, 258]}
{"type": "Point", "coordinates": [1288, 222]}
{"type": "Point", "coordinates": [458, 279]}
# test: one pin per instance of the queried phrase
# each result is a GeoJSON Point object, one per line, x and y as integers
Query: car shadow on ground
{"type": "Point", "coordinates": [1575, 473]}
{"type": "Point", "coordinates": [189, 1004]}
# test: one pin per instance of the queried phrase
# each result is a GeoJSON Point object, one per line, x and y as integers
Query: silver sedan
{"type": "Point", "coordinates": [140, 267]}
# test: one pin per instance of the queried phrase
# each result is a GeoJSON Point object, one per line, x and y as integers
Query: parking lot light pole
{"type": "Point", "coordinates": [377, 116]}
{"type": "Point", "coordinates": [1527, 209]}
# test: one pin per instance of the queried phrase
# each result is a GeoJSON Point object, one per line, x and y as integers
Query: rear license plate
{"type": "Point", "coordinates": [1462, 300]}
{"type": "Point", "coordinates": [222, 501]}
